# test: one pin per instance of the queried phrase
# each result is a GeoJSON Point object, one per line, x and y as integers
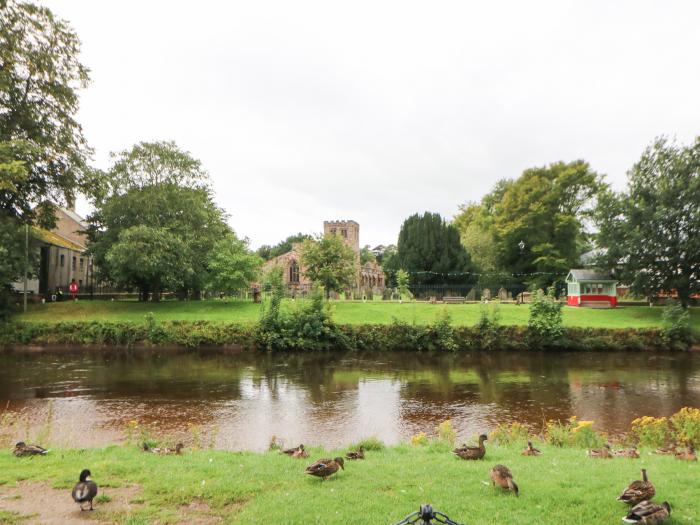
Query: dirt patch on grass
{"type": "Point", "coordinates": [39, 504]}
{"type": "Point", "coordinates": [198, 512]}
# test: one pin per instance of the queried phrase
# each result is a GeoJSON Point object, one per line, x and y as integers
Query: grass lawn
{"type": "Point", "coordinates": [346, 312]}
{"type": "Point", "coordinates": [561, 486]}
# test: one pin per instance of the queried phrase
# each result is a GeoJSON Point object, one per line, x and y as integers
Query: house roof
{"type": "Point", "coordinates": [56, 239]}
{"type": "Point", "coordinates": [590, 275]}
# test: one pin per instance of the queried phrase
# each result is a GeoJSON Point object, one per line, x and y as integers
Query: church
{"type": "Point", "coordinates": [370, 277]}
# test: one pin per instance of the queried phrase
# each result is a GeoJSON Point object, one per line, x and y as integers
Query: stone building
{"type": "Point", "coordinates": [61, 254]}
{"type": "Point", "coordinates": [369, 276]}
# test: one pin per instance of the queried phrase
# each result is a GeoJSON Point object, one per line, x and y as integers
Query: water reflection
{"type": "Point", "coordinates": [240, 401]}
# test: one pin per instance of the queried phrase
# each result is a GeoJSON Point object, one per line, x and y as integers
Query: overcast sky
{"type": "Point", "coordinates": [304, 111]}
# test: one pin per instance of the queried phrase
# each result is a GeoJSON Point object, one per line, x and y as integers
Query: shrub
{"type": "Point", "coordinates": [370, 444]}
{"type": "Point", "coordinates": [444, 333]}
{"type": "Point", "coordinates": [677, 331]}
{"type": "Point", "coordinates": [419, 440]}
{"type": "Point", "coordinates": [545, 324]}
{"type": "Point", "coordinates": [507, 434]}
{"type": "Point", "coordinates": [446, 432]}
{"type": "Point", "coordinates": [488, 327]}
{"type": "Point", "coordinates": [686, 425]}
{"type": "Point", "coordinates": [650, 431]}
{"type": "Point", "coordinates": [574, 433]}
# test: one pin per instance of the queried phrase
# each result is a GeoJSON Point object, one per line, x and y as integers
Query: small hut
{"type": "Point", "coordinates": [591, 288]}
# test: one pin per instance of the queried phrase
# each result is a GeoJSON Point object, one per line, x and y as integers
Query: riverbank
{"type": "Point", "coordinates": [345, 312]}
{"type": "Point", "coordinates": [207, 486]}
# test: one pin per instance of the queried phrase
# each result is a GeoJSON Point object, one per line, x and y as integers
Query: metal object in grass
{"type": "Point", "coordinates": [426, 516]}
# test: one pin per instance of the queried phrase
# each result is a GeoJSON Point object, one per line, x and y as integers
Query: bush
{"type": "Point", "coordinates": [444, 333]}
{"type": "Point", "coordinates": [545, 324]}
{"type": "Point", "coordinates": [686, 425]}
{"type": "Point", "coordinates": [573, 433]}
{"type": "Point", "coordinates": [506, 434]}
{"type": "Point", "coordinates": [651, 431]}
{"type": "Point", "coordinates": [676, 320]}
{"type": "Point", "coordinates": [488, 327]}
{"type": "Point", "coordinates": [446, 432]}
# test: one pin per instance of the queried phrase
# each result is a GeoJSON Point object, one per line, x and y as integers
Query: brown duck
{"type": "Point", "coordinates": [356, 454]}
{"type": "Point", "coordinates": [23, 450]}
{"type": "Point", "coordinates": [324, 468]}
{"type": "Point", "coordinates": [638, 491]}
{"type": "Point", "coordinates": [667, 451]}
{"type": "Point", "coordinates": [291, 451]}
{"type": "Point", "coordinates": [164, 451]}
{"type": "Point", "coordinates": [466, 452]}
{"type": "Point", "coordinates": [688, 454]}
{"type": "Point", "coordinates": [631, 453]}
{"type": "Point", "coordinates": [300, 453]}
{"type": "Point", "coordinates": [501, 476]}
{"type": "Point", "coordinates": [604, 452]}
{"type": "Point", "coordinates": [648, 513]}
{"type": "Point", "coordinates": [530, 450]}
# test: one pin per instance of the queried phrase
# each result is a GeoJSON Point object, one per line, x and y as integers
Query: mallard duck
{"type": "Point", "coordinates": [300, 453]}
{"type": "Point", "coordinates": [22, 450]}
{"type": "Point", "coordinates": [688, 454]}
{"type": "Point", "coordinates": [638, 491]}
{"type": "Point", "coordinates": [604, 452]}
{"type": "Point", "coordinates": [324, 468]}
{"type": "Point", "coordinates": [85, 490]}
{"type": "Point", "coordinates": [164, 451]}
{"type": "Point", "coordinates": [356, 454]}
{"type": "Point", "coordinates": [291, 451]}
{"type": "Point", "coordinates": [501, 476]}
{"type": "Point", "coordinates": [667, 451]}
{"type": "Point", "coordinates": [649, 513]}
{"type": "Point", "coordinates": [466, 452]}
{"type": "Point", "coordinates": [631, 453]}
{"type": "Point", "coordinates": [530, 450]}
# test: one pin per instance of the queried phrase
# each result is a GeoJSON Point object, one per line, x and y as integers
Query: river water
{"type": "Point", "coordinates": [240, 401]}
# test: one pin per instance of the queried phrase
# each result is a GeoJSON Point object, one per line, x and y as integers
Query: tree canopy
{"type": "Point", "coordinates": [329, 262]}
{"type": "Point", "coordinates": [430, 250]}
{"type": "Point", "coordinates": [42, 143]}
{"type": "Point", "coordinates": [270, 252]}
{"type": "Point", "coordinates": [651, 231]}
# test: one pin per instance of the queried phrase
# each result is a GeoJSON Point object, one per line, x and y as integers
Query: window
{"type": "Point", "coordinates": [294, 273]}
{"type": "Point", "coordinates": [82, 263]}
{"type": "Point", "coordinates": [333, 231]}
{"type": "Point", "coordinates": [63, 260]}
{"type": "Point", "coordinates": [75, 263]}
{"type": "Point", "coordinates": [344, 233]}
{"type": "Point", "coordinates": [80, 282]}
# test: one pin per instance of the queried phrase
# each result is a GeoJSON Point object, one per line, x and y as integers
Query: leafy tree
{"type": "Point", "coordinates": [40, 75]}
{"type": "Point", "coordinates": [163, 196]}
{"type": "Point", "coordinates": [545, 324]}
{"type": "Point", "coordinates": [329, 263]}
{"type": "Point", "coordinates": [270, 252]}
{"type": "Point", "coordinates": [478, 238]}
{"type": "Point", "coordinates": [390, 265]}
{"type": "Point", "coordinates": [366, 255]}
{"type": "Point", "coordinates": [651, 231]}
{"type": "Point", "coordinates": [231, 266]}
{"type": "Point", "coordinates": [148, 258]}
{"type": "Point", "coordinates": [430, 250]}
{"type": "Point", "coordinates": [402, 282]}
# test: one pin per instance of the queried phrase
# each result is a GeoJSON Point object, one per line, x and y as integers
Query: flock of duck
{"type": "Point", "coordinates": [637, 494]}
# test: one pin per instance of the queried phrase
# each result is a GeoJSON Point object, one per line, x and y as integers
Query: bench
{"type": "Point", "coordinates": [595, 304]}
{"type": "Point", "coordinates": [453, 300]}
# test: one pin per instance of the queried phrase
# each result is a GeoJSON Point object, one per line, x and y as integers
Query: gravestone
{"type": "Point", "coordinates": [503, 294]}
{"type": "Point", "coordinates": [471, 296]}
{"type": "Point", "coordinates": [486, 294]}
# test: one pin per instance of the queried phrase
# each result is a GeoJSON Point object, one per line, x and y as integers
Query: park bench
{"type": "Point", "coordinates": [595, 304]}
{"type": "Point", "coordinates": [453, 300]}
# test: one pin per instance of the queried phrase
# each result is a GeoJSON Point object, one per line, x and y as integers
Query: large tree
{"type": "Point", "coordinates": [329, 262]}
{"type": "Point", "coordinates": [231, 266]}
{"type": "Point", "coordinates": [168, 191]}
{"type": "Point", "coordinates": [40, 75]}
{"type": "Point", "coordinates": [651, 231]}
{"type": "Point", "coordinates": [534, 226]}
{"type": "Point", "coordinates": [268, 252]}
{"type": "Point", "coordinates": [430, 250]}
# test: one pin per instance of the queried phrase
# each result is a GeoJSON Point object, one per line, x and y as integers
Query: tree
{"type": "Point", "coordinates": [231, 266]}
{"type": "Point", "coordinates": [430, 250]}
{"type": "Point", "coordinates": [329, 262]}
{"type": "Point", "coordinates": [651, 231]}
{"type": "Point", "coordinates": [366, 255]}
{"type": "Point", "coordinates": [40, 76]}
{"type": "Point", "coordinates": [478, 238]}
{"type": "Point", "coordinates": [148, 258]}
{"type": "Point", "coordinates": [270, 252]}
{"type": "Point", "coordinates": [402, 282]}
{"type": "Point", "coordinates": [161, 195]}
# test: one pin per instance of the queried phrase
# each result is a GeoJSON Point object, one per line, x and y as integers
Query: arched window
{"type": "Point", "coordinates": [294, 273]}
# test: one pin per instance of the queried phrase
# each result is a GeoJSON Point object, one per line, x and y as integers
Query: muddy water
{"type": "Point", "coordinates": [239, 402]}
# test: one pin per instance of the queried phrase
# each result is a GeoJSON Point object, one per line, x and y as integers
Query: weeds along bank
{"type": "Point", "coordinates": [311, 327]}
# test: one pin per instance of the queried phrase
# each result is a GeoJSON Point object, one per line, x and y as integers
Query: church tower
{"type": "Point", "coordinates": [349, 231]}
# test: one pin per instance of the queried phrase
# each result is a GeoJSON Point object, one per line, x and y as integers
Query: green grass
{"type": "Point", "coordinates": [374, 312]}
{"type": "Point", "coordinates": [561, 486]}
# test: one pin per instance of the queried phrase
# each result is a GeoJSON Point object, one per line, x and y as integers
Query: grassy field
{"type": "Point", "coordinates": [345, 312]}
{"type": "Point", "coordinates": [561, 486]}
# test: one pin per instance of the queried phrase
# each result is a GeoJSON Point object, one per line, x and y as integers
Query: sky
{"type": "Point", "coordinates": [308, 111]}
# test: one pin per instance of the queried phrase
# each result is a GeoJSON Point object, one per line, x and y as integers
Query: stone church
{"type": "Point", "coordinates": [370, 276]}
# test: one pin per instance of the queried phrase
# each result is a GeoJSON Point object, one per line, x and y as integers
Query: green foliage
{"type": "Point", "coordinates": [545, 323]}
{"type": "Point", "coordinates": [12, 239]}
{"type": "Point", "coordinates": [366, 255]}
{"type": "Point", "coordinates": [651, 231]}
{"type": "Point", "coordinates": [231, 266]}
{"type": "Point", "coordinates": [371, 444]}
{"type": "Point", "coordinates": [42, 149]}
{"type": "Point", "coordinates": [509, 434]}
{"type": "Point", "coordinates": [270, 252]}
{"type": "Point", "coordinates": [444, 333]}
{"type": "Point", "coordinates": [676, 320]}
{"type": "Point", "coordinates": [148, 258]}
{"type": "Point", "coordinates": [328, 262]}
{"type": "Point", "coordinates": [686, 425]}
{"type": "Point", "coordinates": [402, 284]}
{"type": "Point", "coordinates": [651, 431]}
{"type": "Point", "coordinates": [573, 433]}
{"type": "Point", "coordinates": [489, 326]}
{"type": "Point", "coordinates": [430, 250]}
